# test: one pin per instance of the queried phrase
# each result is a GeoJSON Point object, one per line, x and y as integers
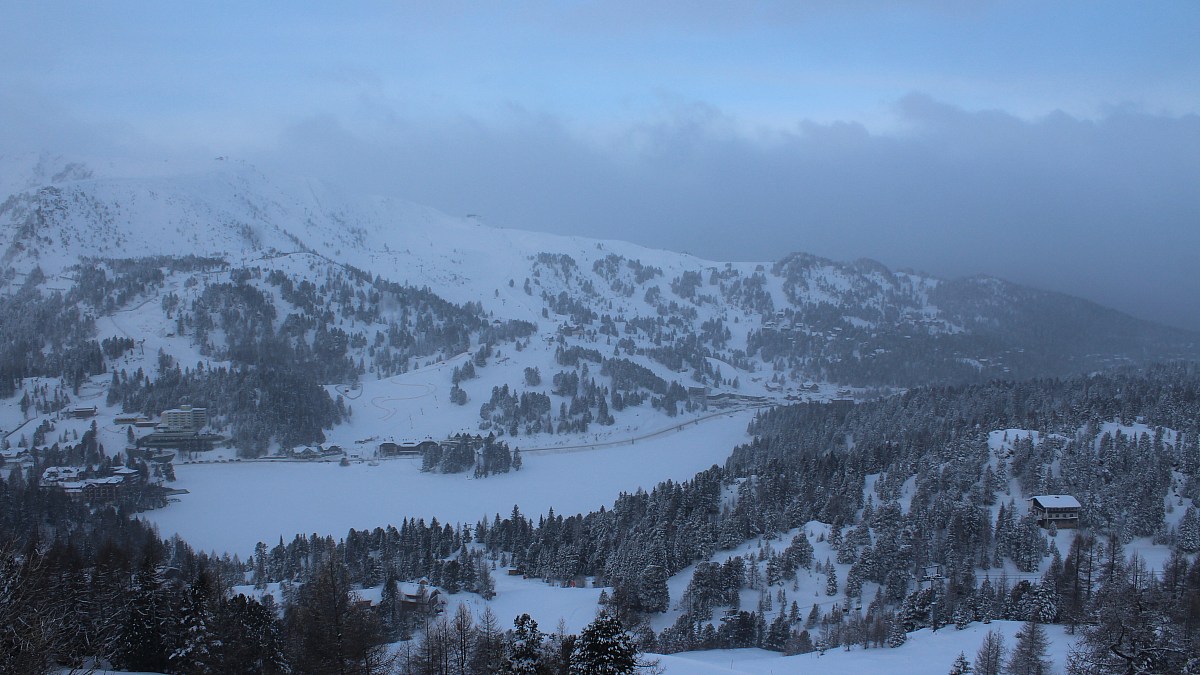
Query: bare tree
{"type": "Point", "coordinates": [32, 626]}
{"type": "Point", "coordinates": [462, 636]}
{"type": "Point", "coordinates": [989, 660]}
{"type": "Point", "coordinates": [1029, 656]}
{"type": "Point", "coordinates": [488, 650]}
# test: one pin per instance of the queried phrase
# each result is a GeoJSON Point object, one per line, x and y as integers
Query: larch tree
{"type": "Point", "coordinates": [1029, 656]}
{"type": "Point", "coordinates": [989, 660]}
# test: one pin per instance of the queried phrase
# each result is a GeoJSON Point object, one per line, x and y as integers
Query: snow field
{"type": "Point", "coordinates": [233, 506]}
{"type": "Point", "coordinates": [924, 653]}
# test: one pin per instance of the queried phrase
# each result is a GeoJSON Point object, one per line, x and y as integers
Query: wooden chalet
{"type": "Point", "coordinates": [1061, 510]}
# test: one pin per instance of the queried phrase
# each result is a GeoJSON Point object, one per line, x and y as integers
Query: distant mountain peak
{"type": "Point", "coordinates": [802, 317]}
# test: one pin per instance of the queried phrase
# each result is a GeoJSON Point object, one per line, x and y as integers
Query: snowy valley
{"type": "Point", "coordinates": [738, 460]}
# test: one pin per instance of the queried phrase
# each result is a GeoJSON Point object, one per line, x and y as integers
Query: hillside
{"type": "Point", "coordinates": [308, 322]}
{"type": "Point", "coordinates": [214, 280]}
{"type": "Point", "coordinates": [852, 529]}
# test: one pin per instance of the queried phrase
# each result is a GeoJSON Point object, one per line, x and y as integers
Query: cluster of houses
{"type": "Point", "coordinates": [314, 453]}
{"type": "Point", "coordinates": [84, 485]}
{"type": "Point", "coordinates": [418, 448]}
{"type": "Point", "coordinates": [14, 459]}
{"type": "Point", "coordinates": [386, 449]}
{"type": "Point", "coordinates": [407, 448]}
{"type": "Point", "coordinates": [782, 323]}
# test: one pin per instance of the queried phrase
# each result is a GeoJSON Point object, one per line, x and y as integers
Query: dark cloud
{"type": "Point", "coordinates": [1107, 209]}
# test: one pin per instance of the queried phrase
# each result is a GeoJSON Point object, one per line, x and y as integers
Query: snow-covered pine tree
{"type": "Point", "coordinates": [1187, 538]}
{"type": "Point", "coordinates": [652, 589]}
{"type": "Point", "coordinates": [523, 648]}
{"type": "Point", "coordinates": [142, 641]}
{"type": "Point", "coordinates": [896, 635]}
{"type": "Point", "coordinates": [604, 648]}
{"type": "Point", "coordinates": [485, 585]}
{"type": "Point", "coordinates": [194, 652]}
{"type": "Point", "coordinates": [961, 665]}
{"type": "Point", "coordinates": [962, 616]}
{"type": "Point", "coordinates": [814, 616]}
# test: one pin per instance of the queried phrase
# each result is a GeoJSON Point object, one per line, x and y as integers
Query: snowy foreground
{"type": "Point", "coordinates": [925, 653]}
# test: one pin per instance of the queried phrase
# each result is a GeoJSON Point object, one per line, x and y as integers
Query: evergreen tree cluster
{"type": "Point", "coordinates": [807, 463]}
{"type": "Point", "coordinates": [78, 583]}
{"type": "Point", "coordinates": [260, 404]}
{"type": "Point", "coordinates": [484, 455]}
{"type": "Point", "coordinates": [624, 275]}
{"type": "Point", "coordinates": [462, 645]}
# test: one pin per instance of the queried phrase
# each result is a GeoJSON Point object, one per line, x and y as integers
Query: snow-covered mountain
{"type": "Point", "coordinates": [57, 211]}
{"type": "Point", "coordinates": [312, 323]}
{"type": "Point", "coordinates": [217, 261]}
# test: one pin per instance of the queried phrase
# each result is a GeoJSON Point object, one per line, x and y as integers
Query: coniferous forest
{"type": "Point", "coordinates": [83, 583]}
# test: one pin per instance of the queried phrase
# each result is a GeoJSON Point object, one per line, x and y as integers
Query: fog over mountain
{"type": "Point", "coordinates": [1054, 146]}
{"type": "Point", "coordinates": [1100, 208]}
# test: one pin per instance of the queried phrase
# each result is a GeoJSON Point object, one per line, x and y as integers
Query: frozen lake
{"type": "Point", "coordinates": [233, 506]}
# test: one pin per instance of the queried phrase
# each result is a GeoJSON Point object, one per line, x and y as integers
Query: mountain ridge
{"type": "Point", "coordinates": [802, 317]}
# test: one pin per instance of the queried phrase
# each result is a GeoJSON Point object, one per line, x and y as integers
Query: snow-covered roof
{"type": "Point", "coordinates": [59, 474]}
{"type": "Point", "coordinates": [1057, 501]}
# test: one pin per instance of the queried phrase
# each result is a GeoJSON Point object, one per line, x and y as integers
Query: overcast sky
{"type": "Point", "coordinates": [1051, 143]}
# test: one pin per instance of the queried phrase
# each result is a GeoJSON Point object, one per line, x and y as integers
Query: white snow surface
{"type": "Point", "coordinates": [924, 653]}
{"type": "Point", "coordinates": [1057, 501]}
{"type": "Point", "coordinates": [232, 506]}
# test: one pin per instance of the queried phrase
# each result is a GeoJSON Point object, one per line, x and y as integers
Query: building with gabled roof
{"type": "Point", "coordinates": [1059, 510]}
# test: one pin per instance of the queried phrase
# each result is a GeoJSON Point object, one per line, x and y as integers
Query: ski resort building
{"type": "Point", "coordinates": [72, 482]}
{"type": "Point", "coordinates": [1061, 510]}
{"type": "Point", "coordinates": [183, 418]}
{"type": "Point", "coordinates": [187, 441]}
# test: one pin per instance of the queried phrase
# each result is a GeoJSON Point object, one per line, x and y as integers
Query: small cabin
{"type": "Point", "coordinates": [1061, 510]}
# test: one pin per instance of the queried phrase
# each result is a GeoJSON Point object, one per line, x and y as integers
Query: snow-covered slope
{"type": "Point", "coordinates": [802, 317]}
{"type": "Point", "coordinates": [800, 327]}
